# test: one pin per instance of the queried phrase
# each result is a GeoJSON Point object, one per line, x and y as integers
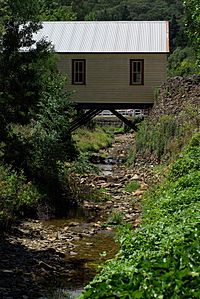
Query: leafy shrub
{"type": "Point", "coordinates": [161, 258]}
{"type": "Point", "coordinates": [42, 147]}
{"type": "Point", "coordinates": [132, 186]}
{"type": "Point", "coordinates": [15, 194]}
{"type": "Point", "coordinates": [82, 165]}
{"type": "Point", "coordinates": [182, 62]}
{"type": "Point", "coordinates": [189, 162]}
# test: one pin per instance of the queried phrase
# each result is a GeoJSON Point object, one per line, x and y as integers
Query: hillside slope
{"type": "Point", "coordinates": [175, 95]}
{"type": "Point", "coordinates": [173, 119]}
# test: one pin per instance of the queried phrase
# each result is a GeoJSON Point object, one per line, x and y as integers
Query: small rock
{"type": "Point", "coordinates": [109, 228]}
{"type": "Point", "coordinates": [96, 225]}
{"type": "Point", "coordinates": [65, 228]}
{"type": "Point", "coordinates": [144, 186]}
{"type": "Point", "coordinates": [73, 253]}
{"type": "Point", "coordinates": [135, 177]}
{"type": "Point", "coordinates": [128, 216]}
{"type": "Point", "coordinates": [138, 192]}
{"type": "Point", "coordinates": [76, 238]}
{"type": "Point", "coordinates": [73, 224]}
{"type": "Point", "coordinates": [99, 178]}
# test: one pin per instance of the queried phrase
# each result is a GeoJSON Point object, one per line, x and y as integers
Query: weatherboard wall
{"type": "Point", "coordinates": [108, 77]}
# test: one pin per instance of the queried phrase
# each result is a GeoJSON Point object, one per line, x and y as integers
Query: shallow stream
{"type": "Point", "coordinates": [88, 254]}
{"type": "Point", "coordinates": [89, 251]}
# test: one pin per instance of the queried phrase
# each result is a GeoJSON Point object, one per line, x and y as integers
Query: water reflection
{"type": "Point", "coordinates": [90, 253]}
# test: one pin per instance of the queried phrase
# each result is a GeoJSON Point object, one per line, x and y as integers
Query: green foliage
{"type": "Point", "coordinates": [92, 140]}
{"type": "Point", "coordinates": [131, 157]}
{"type": "Point", "coordinates": [154, 138]}
{"type": "Point", "coordinates": [112, 130]}
{"type": "Point", "coordinates": [18, 11]}
{"type": "Point", "coordinates": [138, 10]}
{"type": "Point", "coordinates": [104, 195]}
{"type": "Point", "coordinates": [97, 195]}
{"type": "Point", "coordinates": [22, 74]}
{"type": "Point", "coordinates": [182, 62]}
{"type": "Point", "coordinates": [56, 11]}
{"type": "Point", "coordinates": [192, 10]}
{"type": "Point", "coordinates": [166, 136]}
{"type": "Point", "coordinates": [16, 193]}
{"type": "Point", "coordinates": [188, 162]}
{"type": "Point", "coordinates": [82, 165]}
{"type": "Point", "coordinates": [115, 218]}
{"type": "Point", "coordinates": [81, 192]}
{"type": "Point", "coordinates": [132, 186]}
{"type": "Point", "coordinates": [51, 123]}
{"type": "Point", "coordinates": [160, 259]}
{"type": "Point", "coordinates": [34, 110]}
{"type": "Point", "coordinates": [42, 147]}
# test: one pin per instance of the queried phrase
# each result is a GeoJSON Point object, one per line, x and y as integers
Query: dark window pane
{"type": "Point", "coordinates": [80, 66]}
{"type": "Point", "coordinates": [138, 78]}
{"type": "Point", "coordinates": [80, 78]}
{"type": "Point", "coordinates": [76, 78]}
{"type": "Point", "coordinates": [78, 72]}
{"type": "Point", "coordinates": [76, 66]}
{"type": "Point", "coordinates": [139, 66]}
{"type": "Point", "coordinates": [136, 72]}
{"type": "Point", "coordinates": [134, 66]}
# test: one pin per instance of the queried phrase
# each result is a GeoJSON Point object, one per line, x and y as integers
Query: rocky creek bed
{"type": "Point", "coordinates": [39, 259]}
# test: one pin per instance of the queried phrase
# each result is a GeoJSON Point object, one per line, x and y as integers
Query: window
{"type": "Point", "coordinates": [78, 71]}
{"type": "Point", "coordinates": [136, 71]}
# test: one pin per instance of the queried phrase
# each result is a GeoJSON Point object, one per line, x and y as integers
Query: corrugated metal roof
{"type": "Point", "coordinates": [107, 36]}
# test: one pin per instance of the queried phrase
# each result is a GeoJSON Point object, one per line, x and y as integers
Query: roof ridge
{"type": "Point", "coordinates": [155, 21]}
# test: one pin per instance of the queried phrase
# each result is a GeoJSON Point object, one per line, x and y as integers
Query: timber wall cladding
{"type": "Point", "coordinates": [108, 77]}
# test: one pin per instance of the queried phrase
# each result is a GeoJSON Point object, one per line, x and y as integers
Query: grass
{"type": "Point", "coordinates": [115, 218]}
{"type": "Point", "coordinates": [115, 130]}
{"type": "Point", "coordinates": [132, 186]}
{"type": "Point", "coordinates": [166, 136]}
{"type": "Point", "coordinates": [92, 140]}
{"type": "Point", "coordinates": [101, 195]}
{"type": "Point", "coordinates": [131, 157]}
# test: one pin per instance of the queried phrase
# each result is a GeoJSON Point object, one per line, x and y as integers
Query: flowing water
{"type": "Point", "coordinates": [89, 252]}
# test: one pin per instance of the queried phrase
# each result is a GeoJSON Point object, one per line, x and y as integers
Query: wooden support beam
{"type": "Point", "coordinates": [128, 122]}
{"type": "Point", "coordinates": [85, 115]}
{"type": "Point", "coordinates": [84, 118]}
